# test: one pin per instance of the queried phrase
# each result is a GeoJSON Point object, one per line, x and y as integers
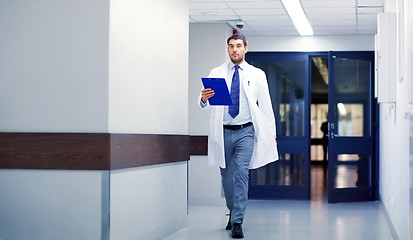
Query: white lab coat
{"type": "Point", "coordinates": [256, 89]}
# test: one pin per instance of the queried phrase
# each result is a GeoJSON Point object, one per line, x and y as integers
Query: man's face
{"type": "Point", "coordinates": [237, 50]}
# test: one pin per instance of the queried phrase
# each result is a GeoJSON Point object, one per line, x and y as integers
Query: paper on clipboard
{"type": "Point", "coordinates": [220, 88]}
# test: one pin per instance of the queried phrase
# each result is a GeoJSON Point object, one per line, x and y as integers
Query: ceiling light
{"type": "Point", "coordinates": [297, 15]}
{"type": "Point", "coordinates": [209, 13]}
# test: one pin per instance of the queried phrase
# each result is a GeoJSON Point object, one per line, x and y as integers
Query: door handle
{"type": "Point", "coordinates": [331, 131]}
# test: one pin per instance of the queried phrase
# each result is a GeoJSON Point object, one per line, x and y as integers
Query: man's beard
{"type": "Point", "coordinates": [237, 60]}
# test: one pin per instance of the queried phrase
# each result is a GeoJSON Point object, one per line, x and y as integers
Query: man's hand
{"type": "Point", "coordinates": [206, 94]}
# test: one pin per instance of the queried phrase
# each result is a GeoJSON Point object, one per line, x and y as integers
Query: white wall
{"type": "Point", "coordinates": [311, 43]}
{"type": "Point", "coordinates": [148, 66]}
{"type": "Point", "coordinates": [393, 145]}
{"type": "Point", "coordinates": [207, 49]}
{"type": "Point", "coordinates": [148, 94]}
{"type": "Point", "coordinates": [394, 135]}
{"type": "Point", "coordinates": [148, 202]}
{"type": "Point", "coordinates": [408, 59]}
{"type": "Point", "coordinates": [53, 66]}
{"type": "Point", "coordinates": [53, 204]}
{"type": "Point", "coordinates": [395, 139]}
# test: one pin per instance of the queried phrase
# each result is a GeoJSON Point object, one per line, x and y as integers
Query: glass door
{"type": "Point", "coordinates": [351, 152]}
{"type": "Point", "coordinates": [288, 80]}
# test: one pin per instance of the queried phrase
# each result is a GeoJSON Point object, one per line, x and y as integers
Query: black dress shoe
{"type": "Point", "coordinates": [229, 225]}
{"type": "Point", "coordinates": [237, 231]}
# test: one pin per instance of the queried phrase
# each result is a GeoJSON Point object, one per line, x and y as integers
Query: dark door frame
{"type": "Point", "coordinates": [365, 145]}
{"type": "Point", "coordinates": [290, 145]}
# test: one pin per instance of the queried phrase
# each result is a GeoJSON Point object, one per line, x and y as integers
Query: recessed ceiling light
{"type": "Point", "coordinates": [210, 13]}
{"type": "Point", "coordinates": [297, 15]}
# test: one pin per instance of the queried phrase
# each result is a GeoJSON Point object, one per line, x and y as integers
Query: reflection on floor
{"type": "Point", "coordinates": [319, 181]}
{"type": "Point", "coordinates": [290, 220]}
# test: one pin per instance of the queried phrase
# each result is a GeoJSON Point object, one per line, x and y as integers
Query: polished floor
{"type": "Point", "coordinates": [289, 219]}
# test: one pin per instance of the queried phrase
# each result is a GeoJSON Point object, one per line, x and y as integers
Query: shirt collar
{"type": "Point", "coordinates": [242, 65]}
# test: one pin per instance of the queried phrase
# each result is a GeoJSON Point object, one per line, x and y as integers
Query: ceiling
{"type": "Point", "coordinates": [268, 17]}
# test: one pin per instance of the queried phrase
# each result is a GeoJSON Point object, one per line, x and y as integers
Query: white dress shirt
{"type": "Point", "coordinates": [244, 115]}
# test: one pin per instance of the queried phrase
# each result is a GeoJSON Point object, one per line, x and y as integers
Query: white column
{"type": "Point", "coordinates": [54, 78]}
{"type": "Point", "coordinates": [148, 93]}
{"type": "Point", "coordinates": [92, 66]}
{"type": "Point", "coordinates": [53, 66]}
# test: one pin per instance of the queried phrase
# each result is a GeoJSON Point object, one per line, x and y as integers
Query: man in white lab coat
{"type": "Point", "coordinates": [241, 136]}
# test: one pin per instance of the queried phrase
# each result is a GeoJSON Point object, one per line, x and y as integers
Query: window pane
{"type": "Point", "coordinates": [352, 170]}
{"type": "Point", "coordinates": [286, 82]}
{"type": "Point", "coordinates": [350, 120]}
{"type": "Point", "coordinates": [287, 171]}
{"type": "Point", "coordinates": [352, 92]}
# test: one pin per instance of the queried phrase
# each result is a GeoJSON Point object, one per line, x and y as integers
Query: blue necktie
{"type": "Point", "coordinates": [234, 109]}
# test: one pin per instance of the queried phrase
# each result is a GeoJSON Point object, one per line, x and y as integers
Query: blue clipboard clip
{"type": "Point", "coordinates": [219, 85]}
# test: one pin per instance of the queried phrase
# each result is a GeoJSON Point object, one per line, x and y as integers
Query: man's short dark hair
{"type": "Point", "coordinates": [237, 36]}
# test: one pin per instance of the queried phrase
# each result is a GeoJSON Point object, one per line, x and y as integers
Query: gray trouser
{"type": "Point", "coordinates": [239, 145]}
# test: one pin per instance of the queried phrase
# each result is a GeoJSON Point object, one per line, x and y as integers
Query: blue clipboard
{"type": "Point", "coordinates": [220, 88]}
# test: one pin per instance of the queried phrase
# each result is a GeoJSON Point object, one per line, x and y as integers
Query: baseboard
{"type": "Point", "coordinates": [389, 222]}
